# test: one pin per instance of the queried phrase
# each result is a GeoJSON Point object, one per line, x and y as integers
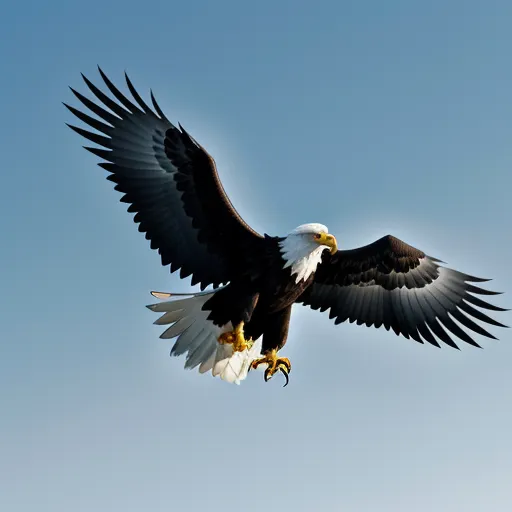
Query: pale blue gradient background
{"type": "Point", "coordinates": [371, 117]}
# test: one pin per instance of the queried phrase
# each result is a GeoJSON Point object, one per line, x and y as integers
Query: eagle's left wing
{"type": "Point", "coordinates": [393, 284]}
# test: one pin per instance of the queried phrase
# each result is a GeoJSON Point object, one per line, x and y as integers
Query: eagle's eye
{"type": "Point", "coordinates": [318, 236]}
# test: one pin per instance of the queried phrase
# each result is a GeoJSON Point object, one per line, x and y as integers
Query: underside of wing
{"type": "Point", "coordinates": [170, 182]}
{"type": "Point", "coordinates": [391, 284]}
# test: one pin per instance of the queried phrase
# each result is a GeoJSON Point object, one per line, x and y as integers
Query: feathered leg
{"type": "Point", "coordinates": [274, 339]}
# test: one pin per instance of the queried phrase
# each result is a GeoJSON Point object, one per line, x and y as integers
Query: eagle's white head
{"type": "Point", "coordinates": [303, 247]}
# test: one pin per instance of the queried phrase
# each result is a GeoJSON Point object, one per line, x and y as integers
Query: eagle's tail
{"type": "Point", "coordinates": [197, 336]}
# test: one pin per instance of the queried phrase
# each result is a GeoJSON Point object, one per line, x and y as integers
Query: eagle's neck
{"type": "Point", "coordinates": [301, 254]}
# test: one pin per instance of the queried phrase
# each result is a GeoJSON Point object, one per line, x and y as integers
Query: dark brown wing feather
{"type": "Point", "coordinates": [392, 284]}
{"type": "Point", "coordinates": [171, 184]}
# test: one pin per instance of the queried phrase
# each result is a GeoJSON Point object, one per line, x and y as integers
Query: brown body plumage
{"type": "Point", "coordinates": [262, 300]}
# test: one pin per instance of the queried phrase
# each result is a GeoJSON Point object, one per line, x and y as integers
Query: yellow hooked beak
{"type": "Point", "coordinates": [328, 240]}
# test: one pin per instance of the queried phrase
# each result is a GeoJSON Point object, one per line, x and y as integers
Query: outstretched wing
{"type": "Point", "coordinates": [171, 184]}
{"type": "Point", "coordinates": [393, 284]}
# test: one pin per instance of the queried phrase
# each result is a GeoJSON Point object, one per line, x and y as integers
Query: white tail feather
{"type": "Point", "coordinates": [197, 337]}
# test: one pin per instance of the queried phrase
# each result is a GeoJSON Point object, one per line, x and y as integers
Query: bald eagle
{"type": "Point", "coordinates": [250, 282]}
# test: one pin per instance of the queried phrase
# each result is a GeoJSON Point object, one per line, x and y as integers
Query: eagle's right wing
{"type": "Point", "coordinates": [171, 184]}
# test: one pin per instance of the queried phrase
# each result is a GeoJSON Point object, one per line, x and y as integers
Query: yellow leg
{"type": "Point", "coordinates": [236, 338]}
{"type": "Point", "coordinates": [274, 364]}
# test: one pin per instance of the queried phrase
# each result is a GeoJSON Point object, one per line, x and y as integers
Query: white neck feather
{"type": "Point", "coordinates": [302, 254]}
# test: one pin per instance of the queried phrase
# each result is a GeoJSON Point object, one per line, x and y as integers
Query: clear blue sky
{"type": "Point", "coordinates": [370, 117]}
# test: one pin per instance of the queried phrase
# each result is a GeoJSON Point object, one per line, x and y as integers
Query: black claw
{"type": "Point", "coordinates": [285, 373]}
{"type": "Point", "coordinates": [283, 368]}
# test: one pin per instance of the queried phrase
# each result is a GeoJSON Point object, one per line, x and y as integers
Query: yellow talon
{"type": "Point", "coordinates": [274, 364]}
{"type": "Point", "coordinates": [236, 338]}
